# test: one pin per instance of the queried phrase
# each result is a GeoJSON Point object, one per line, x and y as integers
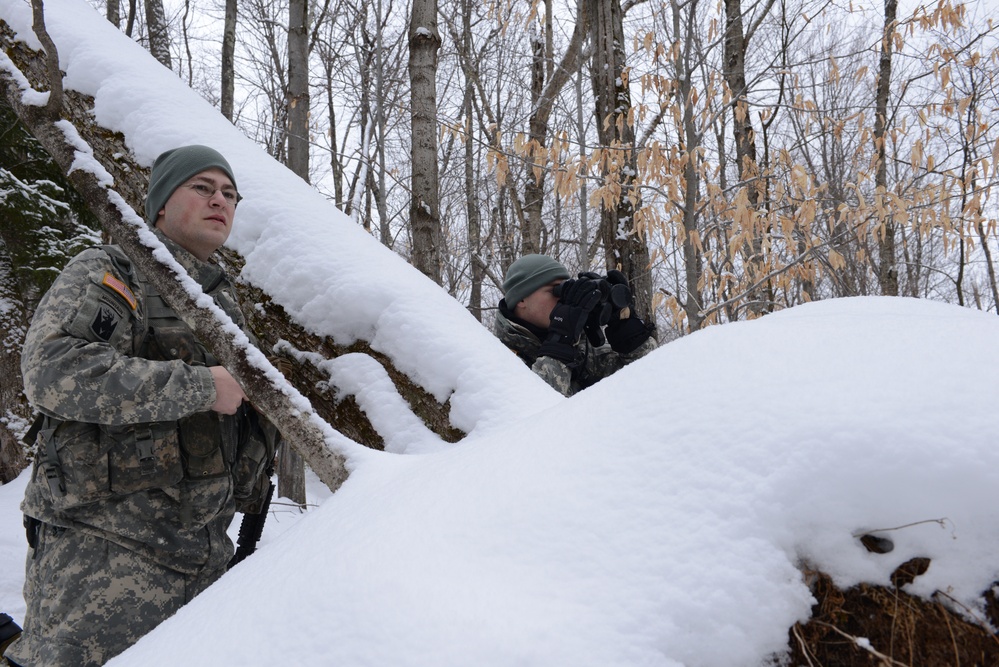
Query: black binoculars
{"type": "Point", "coordinates": [616, 295]}
{"type": "Point", "coordinates": [615, 302]}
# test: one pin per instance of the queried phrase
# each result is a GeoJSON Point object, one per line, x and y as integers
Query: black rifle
{"type": "Point", "coordinates": [251, 529]}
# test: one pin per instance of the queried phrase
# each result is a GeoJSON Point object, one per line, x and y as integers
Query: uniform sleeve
{"type": "Point", "coordinates": [556, 373]}
{"type": "Point", "coordinates": [76, 362]}
{"type": "Point", "coordinates": [603, 361]}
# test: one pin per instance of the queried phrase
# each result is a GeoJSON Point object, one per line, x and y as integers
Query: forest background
{"type": "Point", "coordinates": [733, 157]}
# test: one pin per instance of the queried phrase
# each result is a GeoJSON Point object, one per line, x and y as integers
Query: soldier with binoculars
{"type": "Point", "coordinates": [545, 314]}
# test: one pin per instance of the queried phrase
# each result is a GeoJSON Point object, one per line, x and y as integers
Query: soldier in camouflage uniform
{"type": "Point", "coordinates": [146, 446]}
{"type": "Point", "coordinates": [545, 312]}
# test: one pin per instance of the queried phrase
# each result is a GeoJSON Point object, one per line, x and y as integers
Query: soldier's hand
{"type": "Point", "coordinates": [228, 394]}
{"type": "Point", "coordinates": [621, 299]}
{"type": "Point", "coordinates": [577, 298]}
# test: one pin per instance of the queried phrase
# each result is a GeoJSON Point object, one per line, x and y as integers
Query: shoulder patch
{"type": "Point", "coordinates": [119, 287]}
{"type": "Point", "coordinates": [105, 322]}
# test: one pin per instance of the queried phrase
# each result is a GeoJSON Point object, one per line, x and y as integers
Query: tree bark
{"type": "Point", "coordinates": [130, 22]}
{"type": "Point", "coordinates": [424, 210]}
{"type": "Point", "coordinates": [736, 46]}
{"type": "Point", "coordinates": [690, 144]}
{"type": "Point", "coordinates": [228, 59]}
{"type": "Point", "coordinates": [13, 406]}
{"type": "Point", "coordinates": [381, 124]}
{"type": "Point", "coordinates": [624, 246]}
{"type": "Point", "coordinates": [113, 13]}
{"type": "Point", "coordinates": [298, 88]}
{"type": "Point", "coordinates": [547, 81]}
{"type": "Point", "coordinates": [159, 33]}
{"type": "Point", "coordinates": [537, 155]}
{"type": "Point", "coordinates": [471, 189]}
{"type": "Point", "coordinates": [887, 266]}
{"type": "Point", "coordinates": [291, 466]}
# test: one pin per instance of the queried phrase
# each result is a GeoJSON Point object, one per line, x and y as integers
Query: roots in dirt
{"type": "Point", "coordinates": [877, 626]}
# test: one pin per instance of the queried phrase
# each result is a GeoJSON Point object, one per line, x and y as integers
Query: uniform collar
{"type": "Point", "coordinates": [537, 331]}
{"type": "Point", "coordinates": [205, 273]}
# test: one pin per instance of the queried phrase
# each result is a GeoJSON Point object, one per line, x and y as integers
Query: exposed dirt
{"type": "Point", "coordinates": [899, 629]}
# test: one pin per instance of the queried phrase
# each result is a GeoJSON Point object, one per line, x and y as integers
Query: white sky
{"type": "Point", "coordinates": [658, 518]}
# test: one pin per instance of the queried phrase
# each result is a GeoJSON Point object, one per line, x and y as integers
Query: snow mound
{"type": "Point", "coordinates": [658, 518]}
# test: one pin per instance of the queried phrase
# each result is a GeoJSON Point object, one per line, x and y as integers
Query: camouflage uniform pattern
{"type": "Point", "coordinates": [90, 599]}
{"type": "Point", "coordinates": [595, 363]}
{"type": "Point", "coordinates": [135, 481]}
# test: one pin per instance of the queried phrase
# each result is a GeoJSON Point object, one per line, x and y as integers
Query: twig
{"type": "Point", "coordinates": [950, 629]}
{"type": "Point", "coordinates": [970, 613]}
{"type": "Point", "coordinates": [866, 645]}
{"type": "Point", "coordinates": [54, 105]}
{"type": "Point", "coordinates": [942, 521]}
{"type": "Point", "coordinates": [796, 629]}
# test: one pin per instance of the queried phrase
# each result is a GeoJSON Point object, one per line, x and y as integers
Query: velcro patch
{"type": "Point", "coordinates": [105, 322]}
{"type": "Point", "coordinates": [119, 287]}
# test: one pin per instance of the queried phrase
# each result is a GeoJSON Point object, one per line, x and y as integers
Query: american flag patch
{"type": "Point", "coordinates": [121, 288]}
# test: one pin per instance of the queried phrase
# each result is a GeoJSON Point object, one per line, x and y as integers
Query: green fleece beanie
{"type": "Point", "coordinates": [176, 166]}
{"type": "Point", "coordinates": [528, 274]}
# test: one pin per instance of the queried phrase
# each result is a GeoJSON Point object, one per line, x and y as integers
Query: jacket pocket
{"type": "Point", "coordinates": [79, 475]}
{"type": "Point", "coordinates": [142, 456]}
{"type": "Point", "coordinates": [200, 442]}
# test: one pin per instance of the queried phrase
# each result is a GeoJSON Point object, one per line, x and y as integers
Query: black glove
{"type": "Point", "coordinates": [577, 299]}
{"type": "Point", "coordinates": [627, 335]}
{"type": "Point", "coordinates": [625, 331]}
{"type": "Point", "coordinates": [621, 301]}
{"type": "Point", "coordinates": [600, 314]}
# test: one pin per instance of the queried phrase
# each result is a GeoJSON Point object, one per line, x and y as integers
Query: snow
{"type": "Point", "coordinates": [662, 517]}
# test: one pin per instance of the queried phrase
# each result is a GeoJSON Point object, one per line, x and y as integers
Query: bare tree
{"type": "Point", "coordinates": [736, 45]}
{"type": "Point", "coordinates": [291, 466]}
{"type": "Point", "coordinates": [158, 31]}
{"type": "Point", "coordinates": [547, 81]}
{"type": "Point", "coordinates": [13, 322]}
{"type": "Point", "coordinates": [624, 244]}
{"type": "Point", "coordinates": [228, 59]}
{"type": "Point", "coordinates": [886, 230]}
{"type": "Point", "coordinates": [298, 88]}
{"type": "Point", "coordinates": [424, 210]}
{"type": "Point", "coordinates": [113, 12]}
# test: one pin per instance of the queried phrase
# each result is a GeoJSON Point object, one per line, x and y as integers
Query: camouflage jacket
{"type": "Point", "coordinates": [129, 450]}
{"type": "Point", "coordinates": [593, 365]}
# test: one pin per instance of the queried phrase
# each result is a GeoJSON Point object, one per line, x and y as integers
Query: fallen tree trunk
{"type": "Point", "coordinates": [295, 419]}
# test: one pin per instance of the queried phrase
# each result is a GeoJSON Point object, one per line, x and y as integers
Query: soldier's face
{"type": "Point", "coordinates": [537, 307]}
{"type": "Point", "coordinates": [197, 223]}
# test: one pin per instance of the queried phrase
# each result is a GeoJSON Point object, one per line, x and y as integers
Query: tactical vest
{"type": "Point", "coordinates": [85, 463]}
{"type": "Point", "coordinates": [208, 441]}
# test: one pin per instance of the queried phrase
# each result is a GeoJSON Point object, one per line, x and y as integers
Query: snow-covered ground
{"type": "Point", "coordinates": [658, 518]}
